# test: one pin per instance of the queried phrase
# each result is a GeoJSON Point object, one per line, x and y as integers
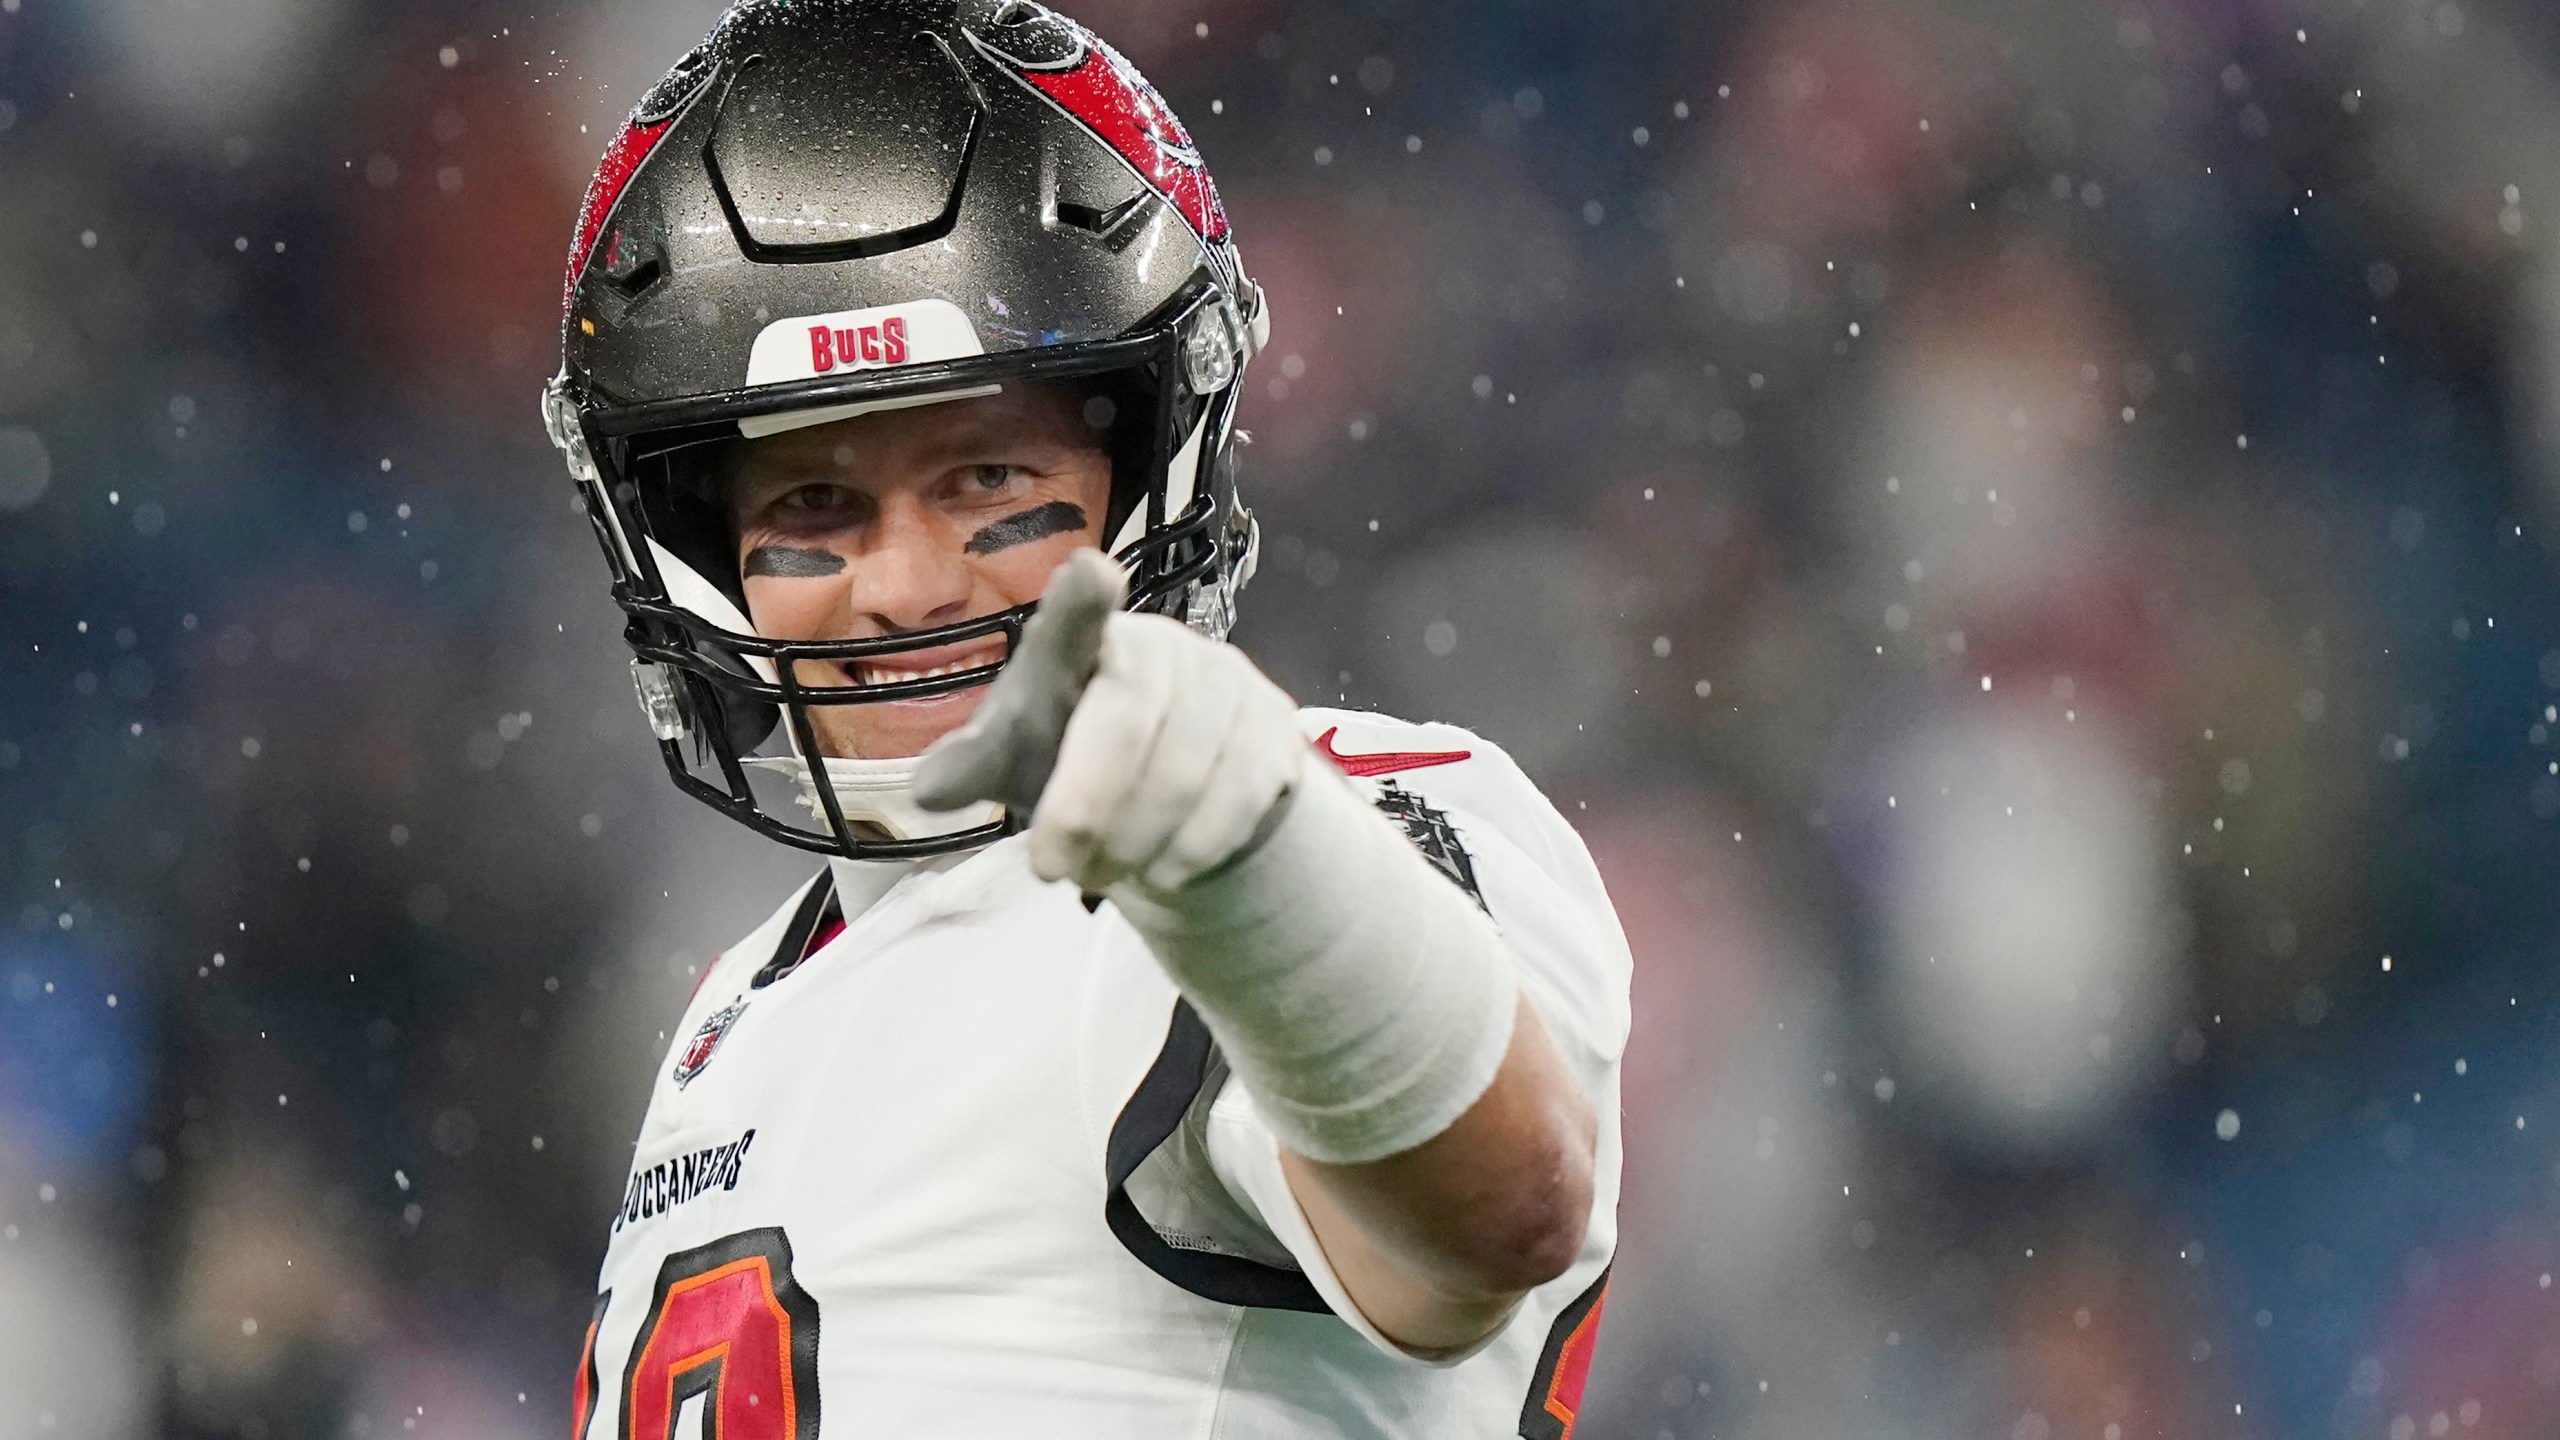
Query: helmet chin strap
{"type": "Point", "coordinates": [878, 793]}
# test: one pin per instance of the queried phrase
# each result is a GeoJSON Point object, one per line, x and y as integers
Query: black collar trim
{"type": "Point", "coordinates": [816, 907]}
{"type": "Point", "coordinates": [1153, 1113]}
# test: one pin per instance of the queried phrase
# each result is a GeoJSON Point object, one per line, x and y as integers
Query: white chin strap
{"type": "Point", "coordinates": [879, 793]}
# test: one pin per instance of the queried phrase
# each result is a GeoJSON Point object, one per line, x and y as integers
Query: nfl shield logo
{"type": "Point", "coordinates": [697, 1051]}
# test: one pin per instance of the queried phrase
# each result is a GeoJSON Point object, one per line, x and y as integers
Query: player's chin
{"type": "Point", "coordinates": [895, 729]}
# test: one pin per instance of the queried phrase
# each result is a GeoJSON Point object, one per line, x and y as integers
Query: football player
{"type": "Point", "coordinates": [1151, 1056]}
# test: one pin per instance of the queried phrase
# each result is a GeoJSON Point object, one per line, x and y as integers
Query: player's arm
{"type": "Point", "coordinates": [1439, 1242]}
{"type": "Point", "coordinates": [1435, 1142]}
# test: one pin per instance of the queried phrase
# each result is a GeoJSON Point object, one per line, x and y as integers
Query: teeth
{"type": "Point", "coordinates": [884, 675]}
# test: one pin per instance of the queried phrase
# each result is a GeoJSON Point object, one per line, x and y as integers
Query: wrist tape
{"type": "Point", "coordinates": [1362, 998]}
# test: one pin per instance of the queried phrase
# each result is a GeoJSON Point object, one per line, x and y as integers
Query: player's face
{"type": "Point", "coordinates": [908, 520]}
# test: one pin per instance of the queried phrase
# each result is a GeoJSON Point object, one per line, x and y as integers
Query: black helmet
{"type": "Point", "coordinates": [838, 206]}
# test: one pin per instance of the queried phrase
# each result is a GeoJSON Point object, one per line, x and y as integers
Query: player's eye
{"type": "Point", "coordinates": [992, 478]}
{"type": "Point", "coordinates": [816, 505]}
{"type": "Point", "coordinates": [807, 499]}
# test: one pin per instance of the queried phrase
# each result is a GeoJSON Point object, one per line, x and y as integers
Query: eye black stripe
{"type": "Point", "coordinates": [793, 562]}
{"type": "Point", "coordinates": [1058, 517]}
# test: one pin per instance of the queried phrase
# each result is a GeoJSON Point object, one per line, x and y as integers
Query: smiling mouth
{"type": "Point", "coordinates": [868, 674]}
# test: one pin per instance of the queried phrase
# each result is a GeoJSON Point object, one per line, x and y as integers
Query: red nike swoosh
{"type": "Point", "coordinates": [1387, 762]}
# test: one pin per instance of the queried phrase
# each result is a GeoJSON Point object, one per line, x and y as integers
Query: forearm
{"type": "Point", "coordinates": [1438, 1243]}
{"type": "Point", "coordinates": [1431, 1135]}
{"type": "Point", "coordinates": [1363, 999]}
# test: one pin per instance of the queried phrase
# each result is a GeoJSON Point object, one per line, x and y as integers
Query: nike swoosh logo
{"type": "Point", "coordinates": [1386, 762]}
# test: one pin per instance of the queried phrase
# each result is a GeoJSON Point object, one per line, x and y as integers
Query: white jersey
{"type": "Point", "coordinates": [970, 1168]}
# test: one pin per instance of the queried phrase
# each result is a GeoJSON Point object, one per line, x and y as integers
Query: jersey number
{"type": "Point", "coordinates": [728, 1324]}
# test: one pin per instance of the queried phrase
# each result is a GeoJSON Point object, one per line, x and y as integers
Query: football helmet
{"type": "Point", "coordinates": [834, 207]}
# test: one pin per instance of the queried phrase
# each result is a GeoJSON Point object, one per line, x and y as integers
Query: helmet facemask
{"type": "Point", "coordinates": [730, 713]}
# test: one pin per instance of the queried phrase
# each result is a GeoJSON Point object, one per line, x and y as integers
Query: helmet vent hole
{"type": "Point", "coordinates": [636, 280]}
{"type": "Point", "coordinates": [1096, 221]}
{"type": "Point", "coordinates": [1018, 12]}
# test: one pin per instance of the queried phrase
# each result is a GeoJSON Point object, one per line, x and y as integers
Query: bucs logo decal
{"type": "Point", "coordinates": [698, 1050]}
{"type": "Point", "coordinates": [1105, 93]}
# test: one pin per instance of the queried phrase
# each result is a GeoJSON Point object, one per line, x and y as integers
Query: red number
{"type": "Point", "coordinates": [1555, 1391]}
{"type": "Point", "coordinates": [729, 1323]}
{"type": "Point", "coordinates": [582, 1400]}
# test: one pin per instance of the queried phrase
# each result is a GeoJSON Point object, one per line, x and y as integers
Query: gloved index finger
{"type": "Point", "coordinates": [1010, 745]}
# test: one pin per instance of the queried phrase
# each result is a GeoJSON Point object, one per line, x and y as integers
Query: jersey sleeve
{"type": "Point", "coordinates": [1487, 829]}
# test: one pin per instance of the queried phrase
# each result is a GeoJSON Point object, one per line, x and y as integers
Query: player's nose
{"type": "Point", "coordinates": [915, 575]}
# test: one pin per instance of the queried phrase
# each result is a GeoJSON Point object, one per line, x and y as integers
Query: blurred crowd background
{"type": "Point", "coordinates": [2019, 530]}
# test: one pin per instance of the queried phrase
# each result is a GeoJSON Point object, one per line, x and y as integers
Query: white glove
{"type": "Point", "coordinates": [1143, 750]}
{"type": "Point", "coordinates": [1364, 1001]}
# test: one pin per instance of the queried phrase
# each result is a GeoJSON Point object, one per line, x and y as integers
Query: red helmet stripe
{"type": "Point", "coordinates": [1115, 102]}
{"type": "Point", "coordinates": [622, 160]}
